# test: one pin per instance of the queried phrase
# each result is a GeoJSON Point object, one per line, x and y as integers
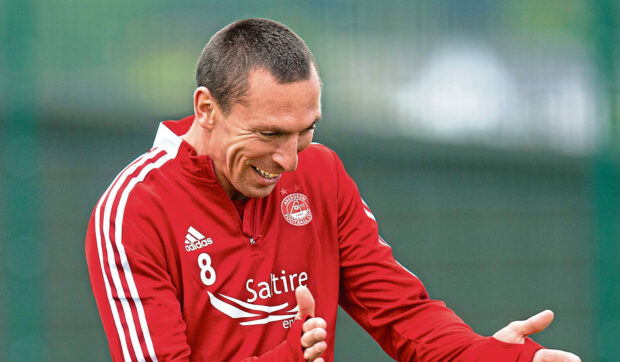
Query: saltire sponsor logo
{"type": "Point", "coordinates": [113, 258]}
{"type": "Point", "coordinates": [195, 240]}
{"type": "Point", "coordinates": [251, 314]}
{"type": "Point", "coordinates": [296, 210]}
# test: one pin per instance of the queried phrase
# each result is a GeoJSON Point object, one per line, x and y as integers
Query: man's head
{"type": "Point", "coordinates": [256, 105]}
{"type": "Point", "coordinates": [246, 45]}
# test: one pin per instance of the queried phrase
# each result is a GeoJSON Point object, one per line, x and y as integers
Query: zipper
{"type": "Point", "coordinates": [255, 221]}
{"type": "Point", "coordinates": [250, 218]}
{"type": "Point", "coordinates": [241, 221]}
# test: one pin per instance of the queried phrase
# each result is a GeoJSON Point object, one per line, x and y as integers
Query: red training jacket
{"type": "Point", "coordinates": [178, 275]}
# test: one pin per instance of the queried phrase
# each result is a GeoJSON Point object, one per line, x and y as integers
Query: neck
{"type": "Point", "coordinates": [196, 138]}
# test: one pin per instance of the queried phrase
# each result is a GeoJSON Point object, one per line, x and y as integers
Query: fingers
{"type": "Point", "coordinates": [315, 329]}
{"type": "Point", "coordinates": [313, 353]}
{"type": "Point", "coordinates": [314, 323]}
{"type": "Point", "coordinates": [305, 302]}
{"type": "Point", "coordinates": [312, 335]}
{"type": "Point", "coordinates": [553, 355]}
{"type": "Point", "coordinates": [313, 339]}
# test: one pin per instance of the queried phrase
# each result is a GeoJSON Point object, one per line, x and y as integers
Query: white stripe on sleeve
{"type": "Point", "coordinates": [118, 222]}
{"type": "Point", "coordinates": [115, 316]}
{"type": "Point", "coordinates": [137, 348]}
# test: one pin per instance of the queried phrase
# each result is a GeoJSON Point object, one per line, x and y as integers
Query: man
{"type": "Point", "coordinates": [236, 238]}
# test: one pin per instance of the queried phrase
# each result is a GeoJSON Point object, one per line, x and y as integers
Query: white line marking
{"type": "Point", "coordinates": [370, 215]}
{"type": "Point", "coordinates": [228, 309]}
{"type": "Point", "coordinates": [123, 174]}
{"type": "Point", "coordinates": [262, 308]}
{"type": "Point", "coordinates": [271, 318]}
{"type": "Point", "coordinates": [118, 223]}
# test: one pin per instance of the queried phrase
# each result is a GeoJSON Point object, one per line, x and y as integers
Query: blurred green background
{"type": "Point", "coordinates": [483, 134]}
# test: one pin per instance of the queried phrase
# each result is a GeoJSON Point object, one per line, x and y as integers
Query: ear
{"type": "Point", "coordinates": [204, 107]}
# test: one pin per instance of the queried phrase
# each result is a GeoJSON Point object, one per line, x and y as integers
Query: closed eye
{"type": "Point", "coordinates": [269, 134]}
{"type": "Point", "coordinates": [277, 133]}
{"type": "Point", "coordinates": [311, 128]}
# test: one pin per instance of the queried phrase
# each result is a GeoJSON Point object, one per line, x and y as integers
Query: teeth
{"type": "Point", "coordinates": [266, 174]}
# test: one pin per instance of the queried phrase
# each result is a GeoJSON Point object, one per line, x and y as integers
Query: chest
{"type": "Point", "coordinates": [233, 264]}
{"type": "Point", "coordinates": [238, 276]}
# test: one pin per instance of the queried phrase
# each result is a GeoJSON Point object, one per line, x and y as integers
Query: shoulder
{"type": "Point", "coordinates": [141, 171]}
{"type": "Point", "coordinates": [320, 157]}
{"type": "Point", "coordinates": [317, 154]}
{"type": "Point", "coordinates": [129, 212]}
{"type": "Point", "coordinates": [139, 181]}
{"type": "Point", "coordinates": [320, 164]}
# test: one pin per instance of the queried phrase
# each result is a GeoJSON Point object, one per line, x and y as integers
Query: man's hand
{"type": "Point", "coordinates": [516, 332]}
{"type": "Point", "coordinates": [313, 339]}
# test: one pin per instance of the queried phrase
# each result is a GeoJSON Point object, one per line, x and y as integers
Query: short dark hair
{"type": "Point", "coordinates": [245, 45]}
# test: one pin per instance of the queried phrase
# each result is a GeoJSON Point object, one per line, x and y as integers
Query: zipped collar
{"type": "Point", "coordinates": [200, 168]}
{"type": "Point", "coordinates": [169, 137]}
{"type": "Point", "coordinates": [169, 134]}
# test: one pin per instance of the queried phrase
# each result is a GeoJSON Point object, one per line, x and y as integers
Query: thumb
{"type": "Point", "coordinates": [305, 302]}
{"type": "Point", "coordinates": [536, 323]}
{"type": "Point", "coordinates": [516, 332]}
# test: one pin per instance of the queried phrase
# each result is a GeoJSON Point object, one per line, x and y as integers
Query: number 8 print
{"type": "Point", "coordinates": [204, 262]}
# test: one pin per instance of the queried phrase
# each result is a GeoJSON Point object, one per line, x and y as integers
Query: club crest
{"type": "Point", "coordinates": [296, 210]}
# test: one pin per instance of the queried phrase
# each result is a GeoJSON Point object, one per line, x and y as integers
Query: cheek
{"type": "Point", "coordinates": [233, 158]}
{"type": "Point", "coordinates": [240, 155]}
{"type": "Point", "coordinates": [304, 142]}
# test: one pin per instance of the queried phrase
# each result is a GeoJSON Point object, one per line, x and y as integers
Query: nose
{"type": "Point", "coordinates": [286, 154]}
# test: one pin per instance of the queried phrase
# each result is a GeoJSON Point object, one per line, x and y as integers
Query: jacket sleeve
{"type": "Point", "coordinates": [287, 351]}
{"type": "Point", "coordinates": [137, 300]}
{"type": "Point", "coordinates": [391, 303]}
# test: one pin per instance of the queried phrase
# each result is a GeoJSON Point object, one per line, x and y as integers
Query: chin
{"type": "Point", "coordinates": [257, 193]}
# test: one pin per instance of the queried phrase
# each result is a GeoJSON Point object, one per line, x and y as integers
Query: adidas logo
{"type": "Point", "coordinates": [195, 240]}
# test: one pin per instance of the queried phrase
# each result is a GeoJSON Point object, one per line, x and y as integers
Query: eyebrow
{"type": "Point", "coordinates": [314, 123]}
{"type": "Point", "coordinates": [281, 130]}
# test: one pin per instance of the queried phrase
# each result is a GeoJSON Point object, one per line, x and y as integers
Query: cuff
{"type": "Point", "coordinates": [496, 350]}
{"type": "Point", "coordinates": [492, 349]}
{"type": "Point", "coordinates": [293, 340]}
{"type": "Point", "coordinates": [287, 351]}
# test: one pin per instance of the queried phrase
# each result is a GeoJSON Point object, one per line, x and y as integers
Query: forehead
{"type": "Point", "coordinates": [283, 105]}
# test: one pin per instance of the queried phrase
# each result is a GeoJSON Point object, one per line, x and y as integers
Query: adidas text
{"type": "Point", "coordinates": [195, 240]}
{"type": "Point", "coordinates": [198, 244]}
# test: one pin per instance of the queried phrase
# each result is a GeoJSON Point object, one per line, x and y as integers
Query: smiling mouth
{"type": "Point", "coordinates": [265, 174]}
